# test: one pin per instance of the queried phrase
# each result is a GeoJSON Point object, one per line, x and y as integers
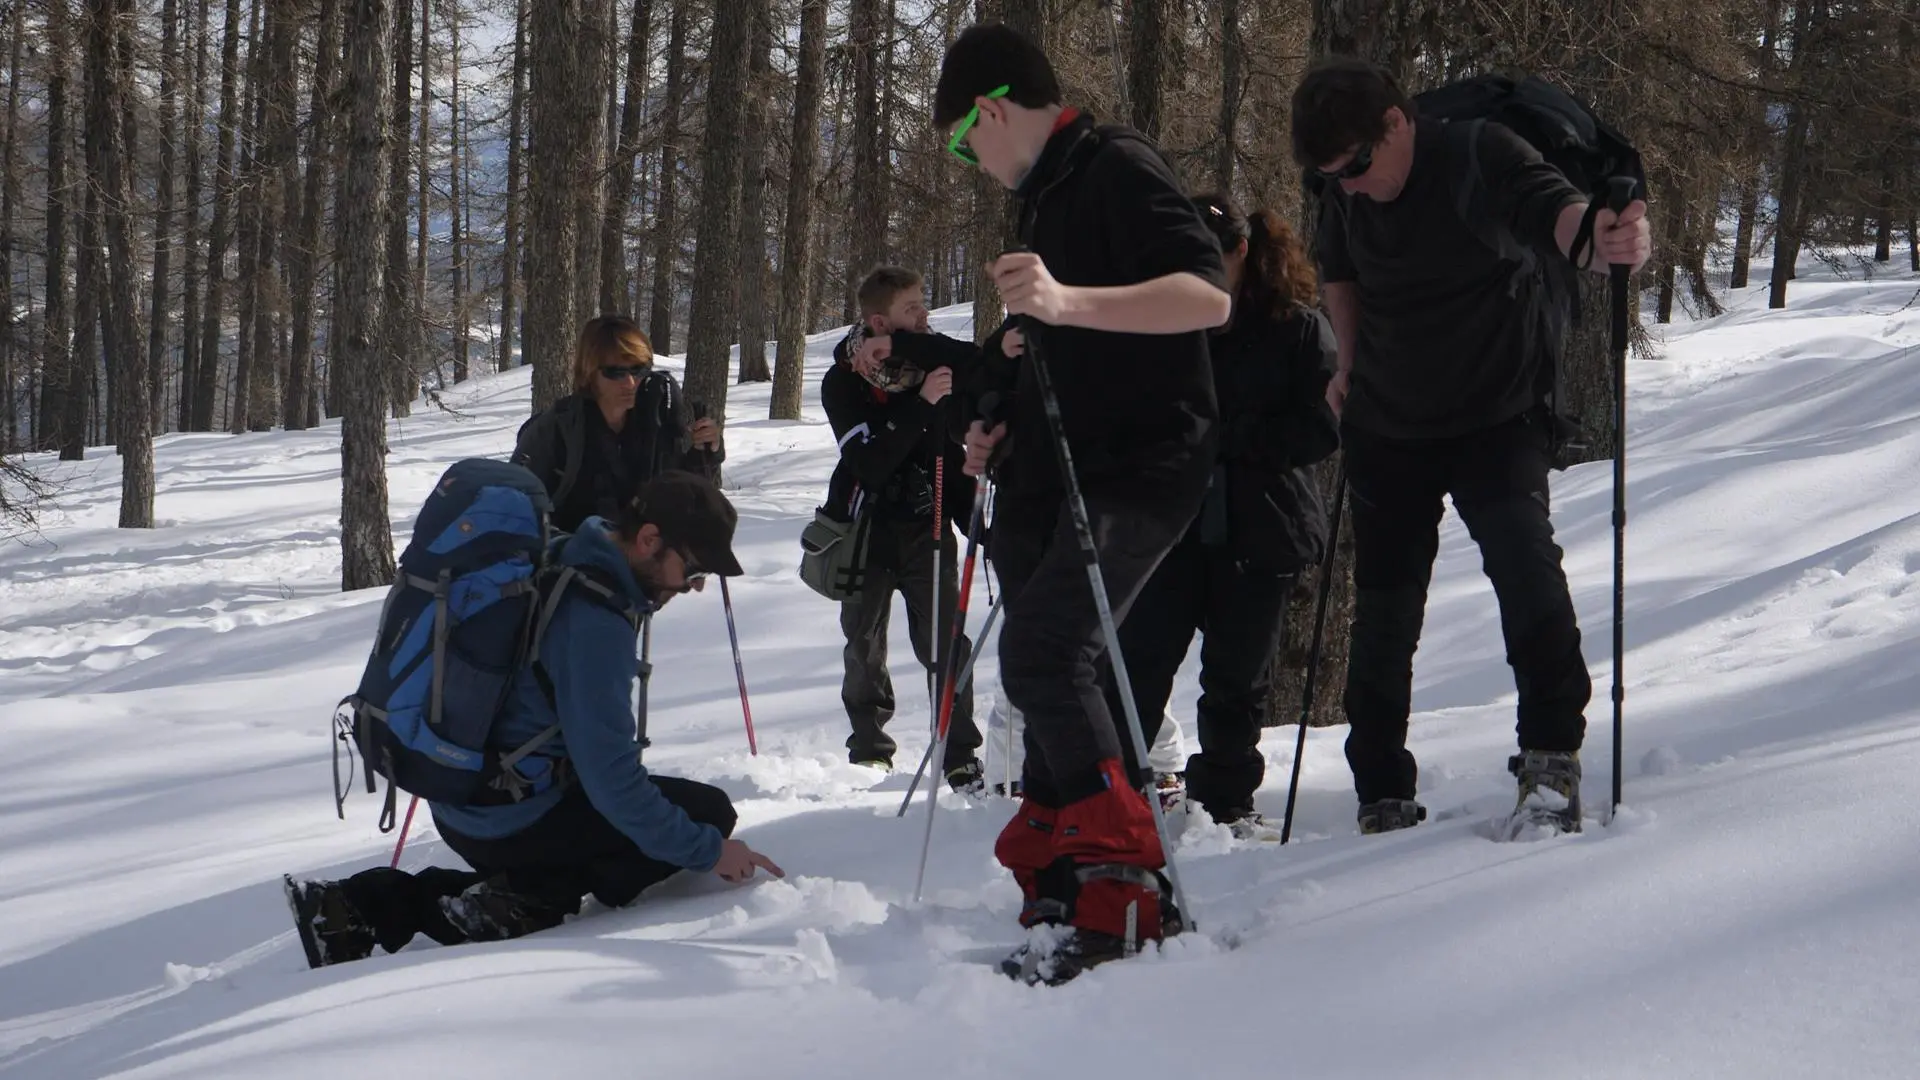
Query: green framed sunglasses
{"type": "Point", "coordinates": [965, 153]}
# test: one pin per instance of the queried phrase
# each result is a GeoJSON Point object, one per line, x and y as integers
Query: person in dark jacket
{"type": "Point", "coordinates": [613, 829]}
{"type": "Point", "coordinates": [1261, 523]}
{"type": "Point", "coordinates": [1439, 396]}
{"type": "Point", "coordinates": [623, 423]}
{"type": "Point", "coordinates": [1119, 282]}
{"type": "Point", "coordinates": [885, 395]}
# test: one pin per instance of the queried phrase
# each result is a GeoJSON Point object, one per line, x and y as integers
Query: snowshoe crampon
{"type": "Point", "coordinates": [331, 931]}
{"type": "Point", "coordinates": [1389, 815]}
{"type": "Point", "coordinates": [1056, 952]}
{"type": "Point", "coordinates": [1549, 795]}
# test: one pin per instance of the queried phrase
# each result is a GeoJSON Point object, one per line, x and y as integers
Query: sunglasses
{"type": "Point", "coordinates": [1355, 168]}
{"type": "Point", "coordinates": [965, 153]}
{"type": "Point", "coordinates": [635, 372]}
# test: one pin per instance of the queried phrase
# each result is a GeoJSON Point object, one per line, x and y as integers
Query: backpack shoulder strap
{"type": "Point", "coordinates": [1470, 193]}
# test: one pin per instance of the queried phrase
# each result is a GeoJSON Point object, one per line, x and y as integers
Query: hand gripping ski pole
{"type": "Point", "coordinates": [1313, 653]}
{"type": "Point", "coordinates": [1078, 505]}
{"type": "Point", "coordinates": [733, 633]}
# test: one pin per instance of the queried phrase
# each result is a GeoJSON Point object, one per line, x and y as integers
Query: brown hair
{"type": "Point", "coordinates": [1342, 104]}
{"type": "Point", "coordinates": [882, 285]}
{"type": "Point", "coordinates": [608, 340]}
{"type": "Point", "coordinates": [1278, 276]}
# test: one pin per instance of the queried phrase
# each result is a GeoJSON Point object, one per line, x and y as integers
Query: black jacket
{"type": "Point", "coordinates": [588, 469]}
{"type": "Point", "coordinates": [1101, 207]}
{"type": "Point", "coordinates": [1446, 343]}
{"type": "Point", "coordinates": [889, 442]}
{"type": "Point", "coordinates": [1272, 377]}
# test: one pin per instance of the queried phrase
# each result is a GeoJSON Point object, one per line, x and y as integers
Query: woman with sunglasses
{"type": "Point", "coordinates": [1261, 524]}
{"type": "Point", "coordinates": [623, 424]}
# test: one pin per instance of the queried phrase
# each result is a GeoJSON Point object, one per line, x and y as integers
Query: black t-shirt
{"type": "Point", "coordinates": [1445, 344]}
{"type": "Point", "coordinates": [1101, 207]}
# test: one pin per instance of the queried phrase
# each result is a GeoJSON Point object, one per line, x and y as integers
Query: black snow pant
{"type": "Point", "coordinates": [539, 873]}
{"type": "Point", "coordinates": [1053, 654]}
{"type": "Point", "coordinates": [900, 559]}
{"type": "Point", "coordinates": [1497, 478]}
{"type": "Point", "coordinates": [1240, 613]}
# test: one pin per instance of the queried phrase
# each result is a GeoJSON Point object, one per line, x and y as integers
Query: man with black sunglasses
{"type": "Point", "coordinates": [1441, 349]}
{"type": "Point", "coordinates": [607, 826]}
{"type": "Point", "coordinates": [1119, 282]}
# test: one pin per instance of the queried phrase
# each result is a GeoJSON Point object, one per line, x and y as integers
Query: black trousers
{"type": "Point", "coordinates": [1497, 479]}
{"type": "Point", "coordinates": [546, 868]}
{"type": "Point", "coordinates": [900, 559]}
{"type": "Point", "coordinates": [1240, 614]}
{"type": "Point", "coordinates": [1053, 655]}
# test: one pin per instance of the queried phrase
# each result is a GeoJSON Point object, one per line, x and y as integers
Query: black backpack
{"type": "Point", "coordinates": [1587, 150]}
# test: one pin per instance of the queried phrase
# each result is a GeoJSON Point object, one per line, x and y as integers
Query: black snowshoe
{"type": "Point", "coordinates": [1055, 953]}
{"type": "Point", "coordinates": [1549, 796]}
{"type": "Point", "coordinates": [331, 929]}
{"type": "Point", "coordinates": [1388, 815]}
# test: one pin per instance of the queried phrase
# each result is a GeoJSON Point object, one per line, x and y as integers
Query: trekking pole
{"type": "Point", "coordinates": [947, 682]}
{"type": "Point", "coordinates": [965, 681]}
{"type": "Point", "coordinates": [1619, 196]}
{"type": "Point", "coordinates": [739, 672]}
{"type": "Point", "coordinates": [733, 634]}
{"type": "Point", "coordinates": [1313, 652]}
{"type": "Point", "coordinates": [933, 636]}
{"type": "Point", "coordinates": [401, 842]}
{"type": "Point", "coordinates": [1084, 528]}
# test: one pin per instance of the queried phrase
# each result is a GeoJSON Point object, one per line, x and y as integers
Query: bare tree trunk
{"type": "Point", "coordinates": [666, 236]}
{"type": "Point", "coordinates": [614, 287]}
{"type": "Point", "coordinates": [593, 48]}
{"type": "Point", "coordinates": [190, 315]}
{"type": "Point", "coordinates": [220, 233]}
{"type": "Point", "coordinates": [456, 188]}
{"type": "Point", "coordinates": [869, 236]}
{"type": "Point", "coordinates": [1149, 38]}
{"type": "Point", "coordinates": [753, 188]}
{"type": "Point", "coordinates": [62, 381]}
{"type": "Point", "coordinates": [83, 413]}
{"type": "Point", "coordinates": [279, 147]}
{"type": "Point", "coordinates": [398, 326]}
{"type": "Point", "coordinates": [1232, 51]}
{"type": "Point", "coordinates": [1743, 231]}
{"type": "Point", "coordinates": [796, 252]}
{"type": "Point", "coordinates": [511, 242]}
{"type": "Point", "coordinates": [716, 263]}
{"type": "Point", "coordinates": [252, 187]}
{"type": "Point", "coordinates": [302, 403]}
{"type": "Point", "coordinates": [366, 535]}
{"type": "Point", "coordinates": [424, 192]}
{"type": "Point", "coordinates": [160, 317]}
{"type": "Point", "coordinates": [9, 205]}
{"type": "Point", "coordinates": [109, 97]}
{"type": "Point", "coordinates": [563, 111]}
{"type": "Point", "coordinates": [1808, 21]}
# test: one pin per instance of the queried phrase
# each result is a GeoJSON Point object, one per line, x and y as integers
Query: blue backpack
{"type": "Point", "coordinates": [475, 589]}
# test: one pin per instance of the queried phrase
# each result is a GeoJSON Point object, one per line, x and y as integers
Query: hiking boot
{"type": "Point", "coordinates": [487, 912]}
{"type": "Point", "coordinates": [1387, 815]}
{"type": "Point", "coordinates": [1250, 825]}
{"type": "Point", "coordinates": [969, 779]}
{"type": "Point", "coordinates": [331, 929]}
{"type": "Point", "coordinates": [1549, 788]}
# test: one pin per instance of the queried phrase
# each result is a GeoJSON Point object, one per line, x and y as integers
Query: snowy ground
{"type": "Point", "coordinates": [1751, 913]}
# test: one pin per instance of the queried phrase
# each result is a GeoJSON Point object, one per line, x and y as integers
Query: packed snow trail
{"type": "Point", "coordinates": [164, 714]}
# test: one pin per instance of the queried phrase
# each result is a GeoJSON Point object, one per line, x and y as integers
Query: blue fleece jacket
{"type": "Point", "coordinates": [589, 654]}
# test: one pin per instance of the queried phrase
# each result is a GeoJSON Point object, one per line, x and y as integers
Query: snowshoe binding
{"type": "Point", "coordinates": [331, 930]}
{"type": "Point", "coordinates": [969, 779]}
{"type": "Point", "coordinates": [1388, 815]}
{"type": "Point", "coordinates": [1056, 951]}
{"type": "Point", "coordinates": [1549, 796]}
{"type": "Point", "coordinates": [1252, 825]}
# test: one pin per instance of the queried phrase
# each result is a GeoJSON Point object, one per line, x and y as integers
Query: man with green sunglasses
{"type": "Point", "coordinates": [1118, 282]}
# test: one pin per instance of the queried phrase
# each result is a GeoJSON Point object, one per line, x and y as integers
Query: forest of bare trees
{"type": "Point", "coordinates": [241, 215]}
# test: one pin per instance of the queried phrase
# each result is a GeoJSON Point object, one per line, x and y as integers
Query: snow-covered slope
{"type": "Point", "coordinates": [164, 721]}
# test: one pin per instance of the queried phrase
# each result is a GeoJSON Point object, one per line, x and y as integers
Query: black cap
{"type": "Point", "coordinates": [692, 515]}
